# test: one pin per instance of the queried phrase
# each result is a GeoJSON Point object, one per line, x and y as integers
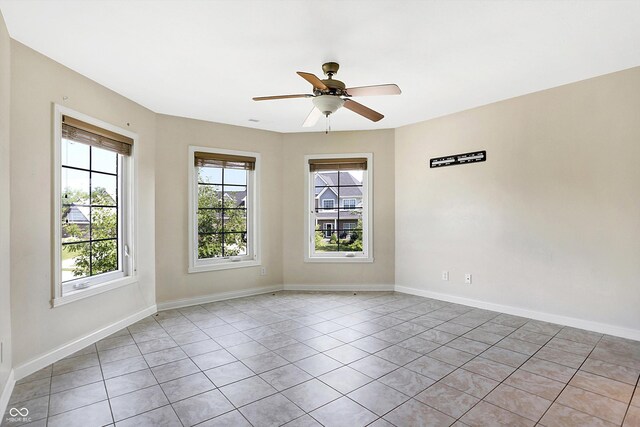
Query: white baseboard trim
{"type": "Point", "coordinates": [218, 296]}
{"type": "Point", "coordinates": [603, 328]}
{"type": "Point", "coordinates": [347, 287]}
{"type": "Point", "coordinates": [65, 350]}
{"type": "Point", "coordinates": [6, 394]}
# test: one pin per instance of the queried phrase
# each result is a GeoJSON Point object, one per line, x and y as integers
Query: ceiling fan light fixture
{"type": "Point", "coordinates": [328, 104]}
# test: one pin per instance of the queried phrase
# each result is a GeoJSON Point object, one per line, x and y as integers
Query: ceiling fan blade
{"type": "Point", "coordinates": [374, 90]}
{"type": "Point", "coordinates": [312, 118]}
{"type": "Point", "coordinates": [315, 81]}
{"type": "Point", "coordinates": [367, 112]}
{"type": "Point", "coordinates": [267, 98]}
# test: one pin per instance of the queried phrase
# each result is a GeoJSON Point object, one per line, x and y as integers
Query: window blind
{"type": "Point", "coordinates": [228, 161]}
{"type": "Point", "coordinates": [85, 133]}
{"type": "Point", "coordinates": [355, 163]}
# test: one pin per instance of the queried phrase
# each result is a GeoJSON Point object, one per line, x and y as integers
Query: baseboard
{"type": "Point", "coordinates": [602, 328]}
{"type": "Point", "coordinates": [347, 287]}
{"type": "Point", "coordinates": [221, 296]}
{"type": "Point", "coordinates": [67, 349]}
{"type": "Point", "coordinates": [218, 296]}
{"type": "Point", "coordinates": [6, 394]}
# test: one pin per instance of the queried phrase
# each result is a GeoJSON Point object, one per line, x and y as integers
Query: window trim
{"type": "Point", "coordinates": [113, 280]}
{"type": "Point", "coordinates": [344, 201]}
{"type": "Point", "coordinates": [324, 204]}
{"type": "Point", "coordinates": [367, 217]}
{"type": "Point", "coordinates": [253, 230]}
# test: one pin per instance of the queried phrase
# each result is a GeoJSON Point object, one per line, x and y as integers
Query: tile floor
{"type": "Point", "coordinates": [339, 359]}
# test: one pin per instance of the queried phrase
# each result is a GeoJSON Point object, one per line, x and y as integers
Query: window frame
{"type": "Point", "coordinates": [197, 265]}
{"type": "Point", "coordinates": [127, 218]}
{"type": "Point", "coordinates": [366, 256]}
{"type": "Point", "coordinates": [344, 202]}
{"type": "Point", "coordinates": [324, 204]}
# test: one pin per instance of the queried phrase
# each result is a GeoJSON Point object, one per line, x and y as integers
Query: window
{"type": "Point", "coordinates": [339, 232]}
{"type": "Point", "coordinates": [93, 206]}
{"type": "Point", "coordinates": [327, 203]}
{"type": "Point", "coordinates": [222, 209]}
{"type": "Point", "coordinates": [349, 203]}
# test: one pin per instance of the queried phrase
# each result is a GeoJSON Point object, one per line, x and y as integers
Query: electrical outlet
{"type": "Point", "coordinates": [467, 279]}
{"type": "Point", "coordinates": [445, 275]}
{"type": "Point", "coordinates": [263, 271]}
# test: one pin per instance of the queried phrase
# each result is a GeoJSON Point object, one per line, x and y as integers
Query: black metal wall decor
{"type": "Point", "coordinates": [459, 159]}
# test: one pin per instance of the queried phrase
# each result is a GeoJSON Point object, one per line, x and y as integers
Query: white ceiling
{"type": "Point", "coordinates": [207, 59]}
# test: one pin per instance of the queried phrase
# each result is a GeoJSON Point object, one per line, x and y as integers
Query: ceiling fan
{"type": "Point", "coordinates": [329, 95]}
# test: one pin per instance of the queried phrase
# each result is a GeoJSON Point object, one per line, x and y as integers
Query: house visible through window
{"type": "Point", "coordinates": [339, 198]}
{"type": "Point", "coordinates": [94, 241]}
{"type": "Point", "coordinates": [223, 209]}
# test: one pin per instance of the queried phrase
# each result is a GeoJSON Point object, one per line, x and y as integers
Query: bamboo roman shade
{"type": "Point", "coordinates": [85, 133]}
{"type": "Point", "coordinates": [227, 161]}
{"type": "Point", "coordinates": [354, 163]}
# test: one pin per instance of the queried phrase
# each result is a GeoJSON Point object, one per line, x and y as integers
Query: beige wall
{"type": "Point", "coordinates": [36, 83]}
{"type": "Point", "coordinates": [174, 137]}
{"type": "Point", "coordinates": [550, 222]}
{"type": "Point", "coordinates": [296, 146]}
{"type": "Point", "coordinates": [5, 212]}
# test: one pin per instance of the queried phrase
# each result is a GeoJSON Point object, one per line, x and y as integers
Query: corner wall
{"type": "Point", "coordinates": [175, 286]}
{"type": "Point", "coordinates": [297, 273]}
{"type": "Point", "coordinates": [5, 212]}
{"type": "Point", "coordinates": [549, 223]}
{"type": "Point", "coordinates": [36, 83]}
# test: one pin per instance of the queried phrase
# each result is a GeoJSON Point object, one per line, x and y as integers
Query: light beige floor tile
{"type": "Point", "coordinates": [604, 386]}
{"type": "Point", "coordinates": [487, 415]}
{"type": "Point", "coordinates": [519, 402]}
{"type": "Point", "coordinates": [447, 400]}
{"type": "Point", "coordinates": [593, 404]}
{"type": "Point", "coordinates": [540, 386]}
{"type": "Point", "coordinates": [470, 383]}
{"type": "Point", "coordinates": [564, 416]}
{"type": "Point", "coordinates": [609, 370]}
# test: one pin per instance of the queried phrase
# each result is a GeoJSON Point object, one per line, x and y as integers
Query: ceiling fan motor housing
{"type": "Point", "coordinates": [330, 68]}
{"type": "Point", "coordinates": [336, 87]}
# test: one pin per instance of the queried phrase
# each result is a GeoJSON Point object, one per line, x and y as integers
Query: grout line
{"type": "Point", "coordinates": [104, 384]}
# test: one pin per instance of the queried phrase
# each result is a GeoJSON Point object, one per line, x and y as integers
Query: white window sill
{"type": "Point", "coordinates": [202, 267]}
{"type": "Point", "coordinates": [340, 260]}
{"type": "Point", "coordinates": [93, 290]}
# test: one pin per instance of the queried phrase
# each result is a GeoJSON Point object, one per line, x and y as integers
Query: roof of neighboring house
{"type": "Point", "coordinates": [330, 179]}
{"type": "Point", "coordinates": [75, 216]}
{"type": "Point", "coordinates": [238, 196]}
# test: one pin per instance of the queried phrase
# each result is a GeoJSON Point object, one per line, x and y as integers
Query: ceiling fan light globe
{"type": "Point", "coordinates": [328, 104]}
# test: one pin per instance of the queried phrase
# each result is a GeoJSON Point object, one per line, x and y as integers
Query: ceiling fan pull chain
{"type": "Point", "coordinates": [328, 128]}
